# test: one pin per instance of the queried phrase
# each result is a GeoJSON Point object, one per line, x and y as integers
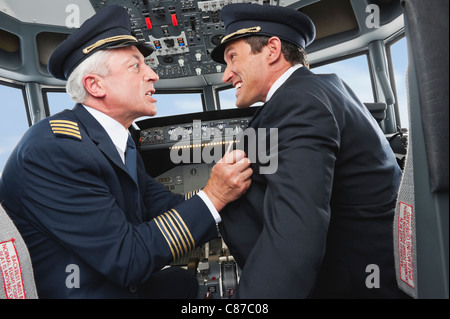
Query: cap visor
{"type": "Point", "coordinates": [218, 52]}
{"type": "Point", "coordinates": [145, 48]}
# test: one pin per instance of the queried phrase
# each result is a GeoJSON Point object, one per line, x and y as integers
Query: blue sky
{"type": "Point", "coordinates": [13, 120]}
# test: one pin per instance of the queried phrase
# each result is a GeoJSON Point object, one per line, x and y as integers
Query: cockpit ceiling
{"type": "Point", "coordinates": [185, 32]}
{"type": "Point", "coordinates": [331, 17]}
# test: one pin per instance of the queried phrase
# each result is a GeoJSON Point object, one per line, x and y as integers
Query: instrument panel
{"type": "Point", "coordinates": [159, 139]}
{"type": "Point", "coordinates": [195, 134]}
{"type": "Point", "coordinates": [193, 129]}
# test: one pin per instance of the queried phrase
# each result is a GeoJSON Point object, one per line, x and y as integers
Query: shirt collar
{"type": "Point", "coordinates": [281, 80]}
{"type": "Point", "coordinates": [115, 130]}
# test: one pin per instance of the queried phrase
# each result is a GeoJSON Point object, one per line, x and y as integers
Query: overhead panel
{"type": "Point", "coordinates": [183, 32]}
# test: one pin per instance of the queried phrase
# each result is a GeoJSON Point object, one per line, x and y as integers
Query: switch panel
{"type": "Point", "coordinates": [186, 30]}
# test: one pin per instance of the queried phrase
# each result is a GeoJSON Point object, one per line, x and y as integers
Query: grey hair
{"type": "Point", "coordinates": [97, 63]}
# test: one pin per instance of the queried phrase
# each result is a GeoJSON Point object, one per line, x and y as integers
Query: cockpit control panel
{"type": "Point", "coordinates": [182, 32]}
{"type": "Point", "coordinates": [162, 142]}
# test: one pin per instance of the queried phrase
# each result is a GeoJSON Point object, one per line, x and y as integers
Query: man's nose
{"type": "Point", "coordinates": [227, 75]}
{"type": "Point", "coordinates": [151, 75]}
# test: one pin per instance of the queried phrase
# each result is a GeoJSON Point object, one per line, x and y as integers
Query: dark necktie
{"type": "Point", "coordinates": [131, 165]}
{"type": "Point", "coordinates": [130, 158]}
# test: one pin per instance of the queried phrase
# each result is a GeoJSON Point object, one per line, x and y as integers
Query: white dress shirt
{"type": "Point", "coordinates": [119, 136]}
{"type": "Point", "coordinates": [115, 130]}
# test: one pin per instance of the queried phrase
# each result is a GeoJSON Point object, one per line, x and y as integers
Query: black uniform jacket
{"type": "Point", "coordinates": [320, 225]}
{"type": "Point", "coordinates": [68, 191]}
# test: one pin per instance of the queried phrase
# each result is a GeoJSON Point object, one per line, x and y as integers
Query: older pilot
{"type": "Point", "coordinates": [96, 225]}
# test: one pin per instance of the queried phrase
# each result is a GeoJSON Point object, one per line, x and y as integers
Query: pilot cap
{"type": "Point", "coordinates": [245, 19]}
{"type": "Point", "coordinates": [107, 29]}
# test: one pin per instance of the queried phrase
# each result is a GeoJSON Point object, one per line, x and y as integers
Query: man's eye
{"type": "Point", "coordinates": [231, 57]}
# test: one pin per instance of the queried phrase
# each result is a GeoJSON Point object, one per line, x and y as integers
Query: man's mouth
{"type": "Point", "coordinates": [150, 94]}
{"type": "Point", "coordinates": [238, 85]}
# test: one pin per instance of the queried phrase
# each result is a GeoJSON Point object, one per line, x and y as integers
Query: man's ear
{"type": "Point", "coordinates": [274, 49]}
{"type": "Point", "coordinates": [93, 83]}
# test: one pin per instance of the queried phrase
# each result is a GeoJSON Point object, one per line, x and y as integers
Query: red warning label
{"type": "Point", "coordinates": [11, 271]}
{"type": "Point", "coordinates": [405, 243]}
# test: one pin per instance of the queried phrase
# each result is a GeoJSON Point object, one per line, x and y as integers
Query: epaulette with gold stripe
{"type": "Point", "coordinates": [65, 128]}
{"type": "Point", "coordinates": [190, 194]}
{"type": "Point", "coordinates": [176, 233]}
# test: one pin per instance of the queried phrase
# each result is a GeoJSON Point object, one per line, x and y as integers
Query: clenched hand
{"type": "Point", "coordinates": [230, 178]}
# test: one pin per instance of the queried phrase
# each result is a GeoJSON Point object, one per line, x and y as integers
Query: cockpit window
{"type": "Point", "coordinates": [58, 101]}
{"type": "Point", "coordinates": [177, 103]}
{"type": "Point", "coordinates": [399, 58]}
{"type": "Point", "coordinates": [13, 120]}
{"type": "Point", "coordinates": [355, 72]}
{"type": "Point", "coordinates": [168, 103]}
{"type": "Point", "coordinates": [227, 98]}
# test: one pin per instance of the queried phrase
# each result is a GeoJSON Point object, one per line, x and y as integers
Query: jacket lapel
{"type": "Point", "coordinates": [99, 136]}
